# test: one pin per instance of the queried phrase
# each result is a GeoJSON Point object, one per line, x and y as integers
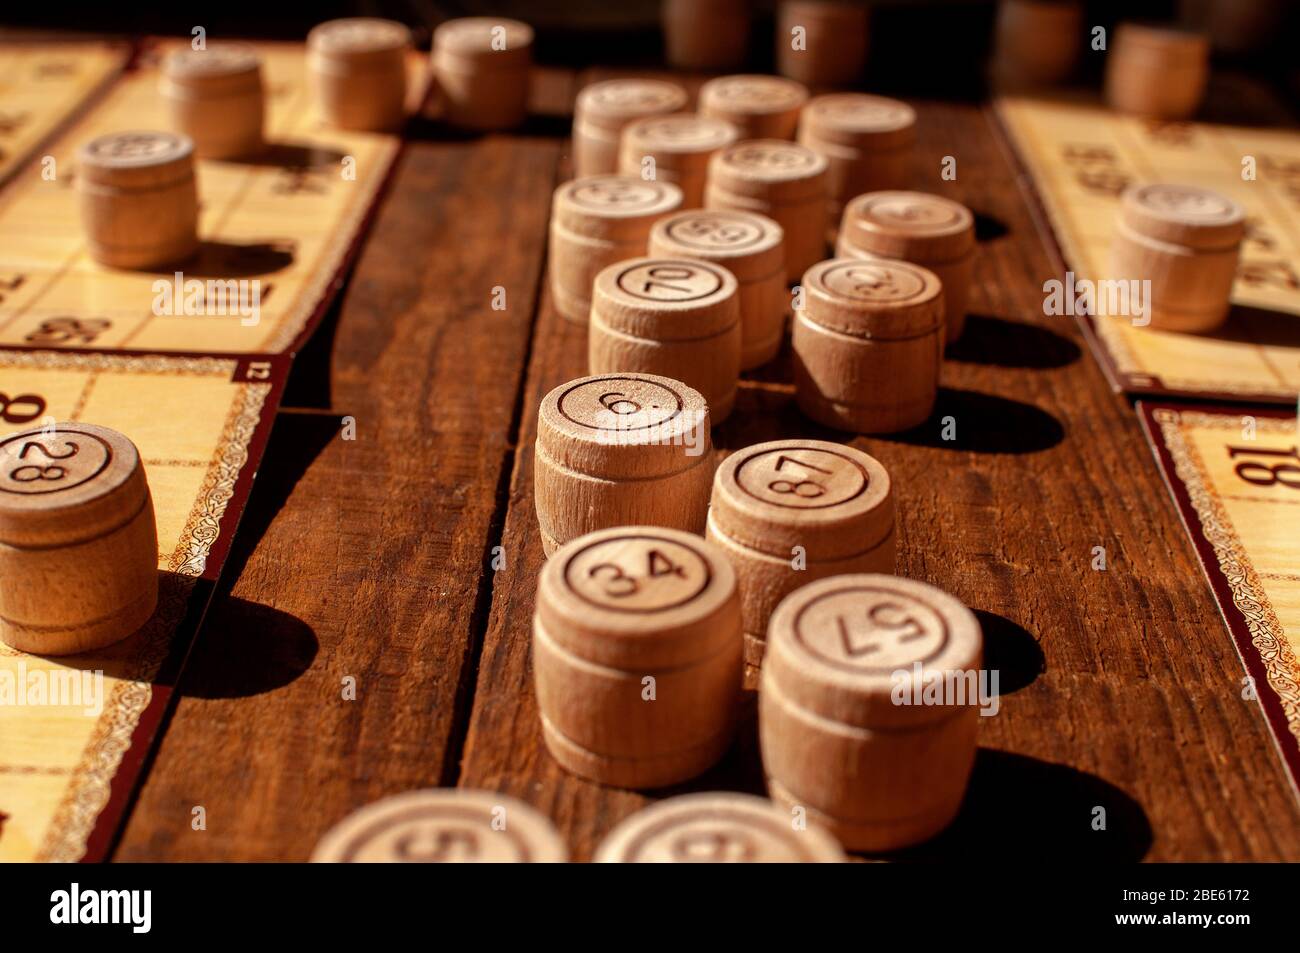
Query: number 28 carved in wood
{"type": "Point", "coordinates": [37, 462]}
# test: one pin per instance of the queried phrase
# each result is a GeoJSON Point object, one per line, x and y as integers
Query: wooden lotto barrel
{"type": "Point", "coordinates": [749, 246]}
{"type": "Point", "coordinates": [637, 656]}
{"type": "Point", "coordinates": [847, 728]}
{"type": "Point", "coordinates": [821, 42]}
{"type": "Point", "coordinates": [603, 109]}
{"type": "Point", "coordinates": [927, 230]}
{"type": "Point", "coordinates": [713, 828]}
{"type": "Point", "coordinates": [138, 198]}
{"type": "Point", "coordinates": [674, 149]}
{"type": "Point", "coordinates": [621, 449]}
{"type": "Point", "coordinates": [782, 180]}
{"type": "Point", "coordinates": [1186, 241]}
{"type": "Point", "coordinates": [868, 344]}
{"type": "Point", "coordinates": [596, 221]}
{"type": "Point", "coordinates": [761, 107]}
{"type": "Point", "coordinates": [676, 317]}
{"type": "Point", "coordinates": [443, 826]}
{"type": "Point", "coordinates": [482, 66]}
{"type": "Point", "coordinates": [358, 72]}
{"type": "Point", "coordinates": [1037, 42]}
{"type": "Point", "coordinates": [215, 96]}
{"type": "Point", "coordinates": [78, 543]}
{"type": "Point", "coordinates": [867, 142]}
{"type": "Point", "coordinates": [789, 512]}
{"type": "Point", "coordinates": [1157, 72]}
{"type": "Point", "coordinates": [705, 35]}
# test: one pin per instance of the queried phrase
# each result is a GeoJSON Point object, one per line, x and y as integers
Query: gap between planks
{"type": "Point", "coordinates": [481, 616]}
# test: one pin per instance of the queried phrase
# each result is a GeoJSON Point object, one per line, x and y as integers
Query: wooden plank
{"type": "Point", "coordinates": [366, 559]}
{"type": "Point", "coordinates": [1121, 687]}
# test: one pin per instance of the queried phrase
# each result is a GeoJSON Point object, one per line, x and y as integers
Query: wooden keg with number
{"type": "Point", "coordinates": [603, 109]}
{"type": "Point", "coordinates": [676, 317]}
{"type": "Point", "coordinates": [139, 199]}
{"type": "Point", "coordinates": [868, 344]}
{"type": "Point", "coordinates": [1183, 243]}
{"type": "Point", "coordinates": [637, 656]}
{"type": "Point", "coordinates": [751, 247]}
{"type": "Point", "coordinates": [788, 512]}
{"type": "Point", "coordinates": [869, 706]}
{"type": "Point", "coordinates": [867, 141]}
{"type": "Point", "coordinates": [78, 542]}
{"type": "Point", "coordinates": [596, 221]}
{"type": "Point", "coordinates": [621, 448]}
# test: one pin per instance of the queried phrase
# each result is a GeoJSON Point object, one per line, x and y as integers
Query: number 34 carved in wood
{"type": "Point", "coordinates": [618, 584]}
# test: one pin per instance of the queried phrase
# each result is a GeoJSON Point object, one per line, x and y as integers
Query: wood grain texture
{"type": "Point", "coordinates": [371, 556]}
{"type": "Point", "coordinates": [1121, 688]}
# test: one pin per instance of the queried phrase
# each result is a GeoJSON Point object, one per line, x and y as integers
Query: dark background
{"type": "Point", "coordinates": [917, 46]}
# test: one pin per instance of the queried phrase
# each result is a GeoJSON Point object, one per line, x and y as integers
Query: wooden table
{"type": "Point", "coordinates": [372, 558]}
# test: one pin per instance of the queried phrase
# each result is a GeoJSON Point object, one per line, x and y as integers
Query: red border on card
{"type": "Point", "coordinates": [149, 728]}
{"type": "Point", "coordinates": [1269, 703]}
